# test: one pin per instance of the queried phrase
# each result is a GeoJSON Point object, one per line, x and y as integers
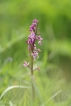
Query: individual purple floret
{"type": "Point", "coordinates": [26, 64]}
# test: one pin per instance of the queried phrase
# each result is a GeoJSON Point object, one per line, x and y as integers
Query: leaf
{"type": "Point", "coordinates": [11, 87]}
{"type": "Point", "coordinates": [11, 104]}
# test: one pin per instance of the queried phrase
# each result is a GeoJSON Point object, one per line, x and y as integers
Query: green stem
{"type": "Point", "coordinates": [31, 65]}
{"type": "Point", "coordinates": [32, 80]}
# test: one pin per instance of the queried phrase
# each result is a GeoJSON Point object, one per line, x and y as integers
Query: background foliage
{"type": "Point", "coordinates": [55, 59]}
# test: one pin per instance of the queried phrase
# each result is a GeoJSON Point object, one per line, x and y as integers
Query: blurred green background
{"type": "Point", "coordinates": [55, 59]}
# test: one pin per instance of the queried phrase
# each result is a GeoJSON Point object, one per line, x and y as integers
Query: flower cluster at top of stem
{"type": "Point", "coordinates": [32, 38]}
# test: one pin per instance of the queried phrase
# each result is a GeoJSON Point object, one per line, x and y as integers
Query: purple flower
{"type": "Point", "coordinates": [32, 38]}
{"type": "Point", "coordinates": [35, 21]}
{"type": "Point", "coordinates": [39, 42]}
{"type": "Point", "coordinates": [39, 38]}
{"type": "Point", "coordinates": [26, 64]}
{"type": "Point", "coordinates": [38, 68]}
{"type": "Point", "coordinates": [35, 54]}
{"type": "Point", "coordinates": [38, 50]}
